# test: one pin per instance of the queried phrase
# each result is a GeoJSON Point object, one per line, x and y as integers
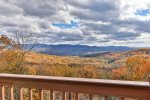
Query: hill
{"type": "Point", "coordinates": [42, 64]}
{"type": "Point", "coordinates": [111, 65]}
{"type": "Point", "coordinates": [117, 59]}
{"type": "Point", "coordinates": [37, 58]}
{"type": "Point", "coordinates": [102, 60]}
{"type": "Point", "coordinates": [69, 66]}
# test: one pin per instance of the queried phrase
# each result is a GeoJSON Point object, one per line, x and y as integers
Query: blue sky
{"type": "Point", "coordinates": [143, 12]}
{"type": "Point", "coordinates": [70, 25]}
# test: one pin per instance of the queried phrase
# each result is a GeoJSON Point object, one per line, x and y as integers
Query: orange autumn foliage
{"type": "Point", "coordinates": [138, 67]}
{"type": "Point", "coordinates": [118, 73]}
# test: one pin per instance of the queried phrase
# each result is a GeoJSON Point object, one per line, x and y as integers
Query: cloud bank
{"type": "Point", "coordinates": [90, 22]}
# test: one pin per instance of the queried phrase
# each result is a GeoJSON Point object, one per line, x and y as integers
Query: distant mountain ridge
{"type": "Point", "coordinates": [77, 50]}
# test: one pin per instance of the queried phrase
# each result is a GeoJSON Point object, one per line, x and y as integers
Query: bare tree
{"type": "Point", "coordinates": [25, 42]}
{"type": "Point", "coordinates": [16, 51]}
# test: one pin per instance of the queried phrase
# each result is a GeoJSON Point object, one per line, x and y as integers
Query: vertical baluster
{"type": "Point", "coordinates": [12, 93]}
{"type": "Point", "coordinates": [2, 93]}
{"type": "Point", "coordinates": [90, 97]}
{"type": "Point", "coordinates": [63, 96]}
{"type": "Point", "coordinates": [106, 97]}
{"type": "Point", "coordinates": [21, 94]}
{"type": "Point", "coordinates": [76, 96]}
{"type": "Point", "coordinates": [30, 94]}
{"type": "Point", "coordinates": [51, 95]}
{"type": "Point", "coordinates": [122, 98]}
{"type": "Point", "coordinates": [41, 94]}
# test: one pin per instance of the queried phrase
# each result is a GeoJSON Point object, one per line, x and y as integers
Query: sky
{"type": "Point", "coordinates": [84, 22]}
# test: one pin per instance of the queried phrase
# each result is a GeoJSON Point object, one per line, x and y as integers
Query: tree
{"type": "Point", "coordinates": [24, 44]}
{"type": "Point", "coordinates": [138, 67]}
{"type": "Point", "coordinates": [14, 52]}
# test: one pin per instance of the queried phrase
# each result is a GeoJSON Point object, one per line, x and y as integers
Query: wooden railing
{"type": "Point", "coordinates": [71, 86]}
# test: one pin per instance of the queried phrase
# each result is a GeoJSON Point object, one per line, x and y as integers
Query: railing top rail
{"type": "Point", "coordinates": [76, 80]}
{"type": "Point", "coordinates": [104, 87]}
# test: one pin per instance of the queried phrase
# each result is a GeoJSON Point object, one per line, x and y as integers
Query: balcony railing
{"type": "Point", "coordinates": [76, 86]}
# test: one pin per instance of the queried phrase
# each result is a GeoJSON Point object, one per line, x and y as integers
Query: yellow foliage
{"type": "Point", "coordinates": [11, 62]}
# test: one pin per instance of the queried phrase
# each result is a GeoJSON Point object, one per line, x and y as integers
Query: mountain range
{"type": "Point", "coordinates": [77, 50]}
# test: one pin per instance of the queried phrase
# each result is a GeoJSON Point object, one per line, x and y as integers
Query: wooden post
{"type": "Point", "coordinates": [12, 93]}
{"type": "Point", "coordinates": [2, 93]}
{"type": "Point", "coordinates": [30, 94]}
{"type": "Point", "coordinates": [21, 94]}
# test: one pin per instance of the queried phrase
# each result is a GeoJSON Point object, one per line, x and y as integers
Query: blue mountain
{"type": "Point", "coordinates": [76, 50]}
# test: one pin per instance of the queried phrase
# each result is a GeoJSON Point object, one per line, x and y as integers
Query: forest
{"type": "Point", "coordinates": [128, 65]}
